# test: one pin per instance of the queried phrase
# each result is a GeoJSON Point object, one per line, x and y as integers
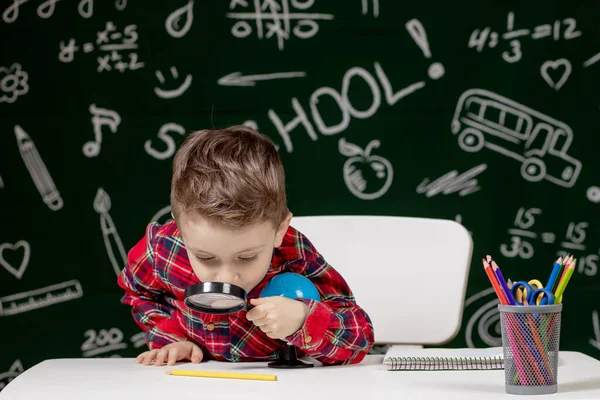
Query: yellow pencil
{"type": "Point", "coordinates": [563, 282]}
{"type": "Point", "coordinates": [222, 374]}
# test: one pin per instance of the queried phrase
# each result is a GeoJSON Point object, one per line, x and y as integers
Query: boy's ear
{"type": "Point", "coordinates": [283, 227]}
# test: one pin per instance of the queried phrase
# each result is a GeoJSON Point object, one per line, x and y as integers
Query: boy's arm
{"type": "Point", "coordinates": [144, 294]}
{"type": "Point", "coordinates": [336, 330]}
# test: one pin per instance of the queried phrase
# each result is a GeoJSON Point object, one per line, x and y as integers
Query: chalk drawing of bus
{"type": "Point", "coordinates": [538, 142]}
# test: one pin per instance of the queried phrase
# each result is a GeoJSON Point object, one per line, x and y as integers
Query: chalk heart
{"type": "Point", "coordinates": [560, 69]}
{"type": "Point", "coordinates": [5, 247]}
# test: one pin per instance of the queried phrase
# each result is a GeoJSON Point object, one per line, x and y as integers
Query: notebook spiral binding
{"type": "Point", "coordinates": [444, 363]}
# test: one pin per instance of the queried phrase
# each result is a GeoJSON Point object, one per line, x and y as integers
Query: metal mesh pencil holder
{"type": "Point", "coordinates": [530, 341]}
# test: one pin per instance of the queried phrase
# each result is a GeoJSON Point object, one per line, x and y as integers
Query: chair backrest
{"type": "Point", "coordinates": [409, 274]}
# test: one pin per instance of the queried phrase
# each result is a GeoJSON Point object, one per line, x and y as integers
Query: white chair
{"type": "Point", "coordinates": [408, 274]}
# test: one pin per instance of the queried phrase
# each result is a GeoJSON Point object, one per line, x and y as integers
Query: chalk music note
{"type": "Point", "coordinates": [38, 171]}
{"type": "Point", "coordinates": [102, 206]}
{"type": "Point", "coordinates": [100, 117]}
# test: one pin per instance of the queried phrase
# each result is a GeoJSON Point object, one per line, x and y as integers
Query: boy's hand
{"type": "Point", "coordinates": [278, 316]}
{"type": "Point", "coordinates": [171, 353]}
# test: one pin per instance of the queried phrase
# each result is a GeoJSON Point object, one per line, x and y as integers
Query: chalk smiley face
{"type": "Point", "coordinates": [366, 176]}
{"type": "Point", "coordinates": [172, 93]}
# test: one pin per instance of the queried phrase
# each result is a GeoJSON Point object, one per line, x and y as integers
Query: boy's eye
{"type": "Point", "coordinates": [204, 259]}
{"type": "Point", "coordinates": [248, 259]}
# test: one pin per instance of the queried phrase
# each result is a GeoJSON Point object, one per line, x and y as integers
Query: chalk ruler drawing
{"type": "Point", "coordinates": [565, 29]}
{"type": "Point", "coordinates": [167, 139]}
{"type": "Point", "coordinates": [13, 83]}
{"type": "Point", "coordinates": [538, 142]}
{"type": "Point", "coordinates": [172, 23]}
{"type": "Point", "coordinates": [452, 182]}
{"type": "Point", "coordinates": [365, 7]}
{"type": "Point", "coordinates": [107, 41]}
{"type": "Point", "coordinates": [15, 370]}
{"type": "Point", "coordinates": [342, 99]}
{"type": "Point", "coordinates": [102, 342]}
{"type": "Point", "coordinates": [237, 79]}
{"type": "Point", "coordinates": [172, 93]}
{"type": "Point", "coordinates": [276, 18]}
{"type": "Point", "coordinates": [100, 117]}
{"type": "Point", "coordinates": [38, 298]}
{"type": "Point", "coordinates": [367, 177]}
{"type": "Point", "coordinates": [554, 65]}
{"type": "Point", "coordinates": [595, 341]}
{"type": "Point", "coordinates": [484, 324]}
{"type": "Point", "coordinates": [112, 241]}
{"type": "Point", "coordinates": [16, 271]}
{"type": "Point", "coordinates": [38, 171]}
{"type": "Point", "coordinates": [593, 194]}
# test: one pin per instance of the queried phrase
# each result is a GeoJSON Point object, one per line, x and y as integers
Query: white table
{"type": "Point", "coordinates": [116, 378]}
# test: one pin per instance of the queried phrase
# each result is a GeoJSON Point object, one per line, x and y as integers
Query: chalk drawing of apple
{"type": "Point", "coordinates": [367, 177]}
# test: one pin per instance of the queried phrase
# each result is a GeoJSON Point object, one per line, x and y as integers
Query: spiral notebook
{"type": "Point", "coordinates": [438, 359]}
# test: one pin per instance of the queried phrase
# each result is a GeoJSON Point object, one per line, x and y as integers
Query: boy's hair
{"type": "Point", "coordinates": [231, 175]}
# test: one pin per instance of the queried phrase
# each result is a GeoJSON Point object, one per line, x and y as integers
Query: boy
{"type": "Point", "coordinates": [231, 224]}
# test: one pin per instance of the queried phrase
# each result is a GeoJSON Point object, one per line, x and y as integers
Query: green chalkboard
{"type": "Point", "coordinates": [482, 112]}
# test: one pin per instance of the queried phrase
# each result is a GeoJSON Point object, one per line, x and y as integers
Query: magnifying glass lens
{"type": "Point", "coordinates": [215, 298]}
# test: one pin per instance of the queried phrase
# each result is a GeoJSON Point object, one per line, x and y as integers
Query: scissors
{"type": "Point", "coordinates": [532, 291]}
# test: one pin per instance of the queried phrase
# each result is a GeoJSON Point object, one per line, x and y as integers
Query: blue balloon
{"type": "Point", "coordinates": [291, 285]}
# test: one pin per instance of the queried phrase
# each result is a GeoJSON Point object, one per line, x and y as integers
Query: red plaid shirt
{"type": "Point", "coordinates": [336, 331]}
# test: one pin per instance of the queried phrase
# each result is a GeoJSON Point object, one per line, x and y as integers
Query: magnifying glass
{"type": "Point", "coordinates": [215, 298]}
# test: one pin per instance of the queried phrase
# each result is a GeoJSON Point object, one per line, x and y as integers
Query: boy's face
{"type": "Point", "coordinates": [220, 254]}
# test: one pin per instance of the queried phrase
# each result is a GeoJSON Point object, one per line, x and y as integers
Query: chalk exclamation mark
{"type": "Point", "coordinates": [416, 30]}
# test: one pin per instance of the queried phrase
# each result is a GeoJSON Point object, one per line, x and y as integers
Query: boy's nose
{"type": "Point", "coordinates": [226, 275]}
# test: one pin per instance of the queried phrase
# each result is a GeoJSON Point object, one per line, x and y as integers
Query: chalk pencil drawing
{"type": "Point", "coordinates": [484, 324]}
{"type": "Point", "coordinates": [237, 79]}
{"type": "Point", "coordinates": [453, 182]}
{"type": "Point", "coordinates": [540, 143]}
{"type": "Point", "coordinates": [16, 271]}
{"type": "Point", "coordinates": [367, 176]}
{"type": "Point", "coordinates": [7, 376]}
{"type": "Point", "coordinates": [100, 117]}
{"type": "Point", "coordinates": [112, 241]}
{"type": "Point", "coordinates": [102, 342]}
{"type": "Point", "coordinates": [38, 171]}
{"type": "Point", "coordinates": [172, 93]}
{"type": "Point", "coordinates": [276, 19]}
{"type": "Point", "coordinates": [554, 65]}
{"type": "Point", "coordinates": [172, 23]}
{"type": "Point", "coordinates": [163, 134]}
{"type": "Point", "coordinates": [39, 298]}
{"type": "Point", "coordinates": [1, 183]}
{"type": "Point", "coordinates": [13, 83]}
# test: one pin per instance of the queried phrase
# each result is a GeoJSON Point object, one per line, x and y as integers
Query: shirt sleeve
{"type": "Point", "coordinates": [144, 294]}
{"type": "Point", "coordinates": [337, 331]}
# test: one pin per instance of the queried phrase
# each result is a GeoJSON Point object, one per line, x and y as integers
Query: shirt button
{"type": "Point", "coordinates": [210, 327]}
{"type": "Point", "coordinates": [307, 339]}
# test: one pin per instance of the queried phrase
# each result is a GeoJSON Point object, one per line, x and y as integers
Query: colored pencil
{"type": "Point", "coordinates": [222, 374]}
{"type": "Point", "coordinates": [494, 282]}
{"type": "Point", "coordinates": [502, 281]}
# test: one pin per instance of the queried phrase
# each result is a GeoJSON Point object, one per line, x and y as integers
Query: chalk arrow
{"type": "Point", "coordinates": [237, 79]}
